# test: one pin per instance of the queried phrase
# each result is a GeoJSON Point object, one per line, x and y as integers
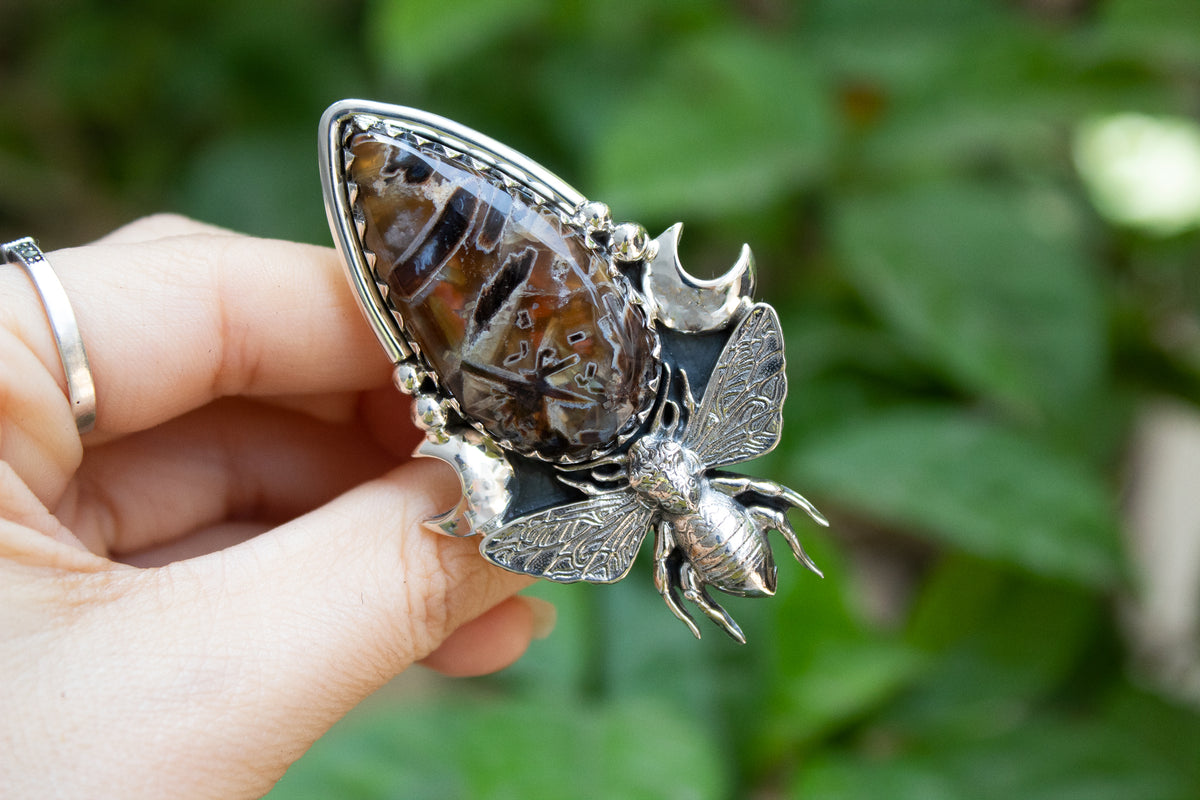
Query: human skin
{"type": "Point", "coordinates": [195, 591]}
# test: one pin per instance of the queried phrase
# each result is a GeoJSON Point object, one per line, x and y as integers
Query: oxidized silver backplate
{"type": "Point", "coordinates": [584, 387]}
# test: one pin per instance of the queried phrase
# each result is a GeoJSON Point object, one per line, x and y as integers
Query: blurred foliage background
{"type": "Point", "coordinates": [943, 206]}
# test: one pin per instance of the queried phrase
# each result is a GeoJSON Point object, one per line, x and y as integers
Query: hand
{"type": "Point", "coordinates": [191, 594]}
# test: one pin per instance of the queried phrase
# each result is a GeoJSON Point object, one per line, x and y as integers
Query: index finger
{"type": "Point", "coordinates": [173, 322]}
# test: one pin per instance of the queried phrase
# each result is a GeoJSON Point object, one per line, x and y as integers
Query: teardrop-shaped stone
{"type": "Point", "coordinates": [527, 328]}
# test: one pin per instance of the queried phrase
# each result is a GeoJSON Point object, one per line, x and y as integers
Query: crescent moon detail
{"type": "Point", "coordinates": [689, 304]}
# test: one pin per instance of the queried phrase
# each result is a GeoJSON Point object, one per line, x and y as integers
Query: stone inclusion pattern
{"type": "Point", "coordinates": [525, 326]}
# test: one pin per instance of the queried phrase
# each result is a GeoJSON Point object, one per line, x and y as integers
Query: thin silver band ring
{"type": "Point", "coordinates": [81, 389]}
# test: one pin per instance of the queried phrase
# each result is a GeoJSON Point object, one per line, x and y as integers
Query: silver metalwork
{"type": "Point", "coordinates": [663, 481]}
{"type": "Point", "coordinates": [484, 472]}
{"type": "Point", "coordinates": [486, 475]}
{"type": "Point", "coordinates": [690, 304]}
{"type": "Point", "coordinates": [629, 242]}
{"type": "Point", "coordinates": [569, 521]}
{"type": "Point", "coordinates": [81, 389]}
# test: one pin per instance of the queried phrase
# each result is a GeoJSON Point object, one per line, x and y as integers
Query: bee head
{"type": "Point", "coordinates": [663, 470]}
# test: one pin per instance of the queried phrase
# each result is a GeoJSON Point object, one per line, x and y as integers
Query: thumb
{"type": "Point", "coordinates": [208, 677]}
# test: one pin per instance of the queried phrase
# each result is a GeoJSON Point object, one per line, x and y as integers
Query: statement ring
{"type": "Point", "coordinates": [81, 389]}
{"type": "Point", "coordinates": [588, 391]}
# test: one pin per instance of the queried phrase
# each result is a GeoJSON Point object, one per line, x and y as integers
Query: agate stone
{"type": "Point", "coordinates": [527, 328]}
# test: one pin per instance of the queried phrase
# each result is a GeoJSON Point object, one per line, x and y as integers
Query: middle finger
{"type": "Point", "coordinates": [234, 459]}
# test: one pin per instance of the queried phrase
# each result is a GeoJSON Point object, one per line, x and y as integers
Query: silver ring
{"type": "Point", "coordinates": [81, 389]}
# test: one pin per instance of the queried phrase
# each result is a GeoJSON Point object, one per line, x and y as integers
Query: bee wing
{"type": "Point", "coordinates": [595, 540]}
{"type": "Point", "coordinates": [741, 414]}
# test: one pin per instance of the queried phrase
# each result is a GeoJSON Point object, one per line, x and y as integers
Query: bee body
{"type": "Point", "coordinates": [725, 547]}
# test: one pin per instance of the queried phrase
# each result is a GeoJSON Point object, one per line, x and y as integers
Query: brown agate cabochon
{"type": "Point", "coordinates": [525, 326]}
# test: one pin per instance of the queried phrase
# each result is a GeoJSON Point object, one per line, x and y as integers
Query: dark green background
{"type": "Point", "coordinates": [968, 340]}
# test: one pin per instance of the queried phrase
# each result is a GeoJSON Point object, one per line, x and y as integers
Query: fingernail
{"type": "Point", "coordinates": [545, 615]}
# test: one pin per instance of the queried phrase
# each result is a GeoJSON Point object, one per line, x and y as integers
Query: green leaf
{"type": "Point", "coordinates": [560, 666]}
{"type": "Point", "coordinates": [895, 44]}
{"type": "Point", "coordinates": [1170, 730]}
{"type": "Point", "coordinates": [990, 286]}
{"type": "Point", "coordinates": [1161, 33]}
{"type": "Point", "coordinates": [825, 670]}
{"type": "Point", "coordinates": [1057, 759]}
{"type": "Point", "coordinates": [250, 183]}
{"type": "Point", "coordinates": [620, 643]}
{"type": "Point", "coordinates": [1134, 748]}
{"type": "Point", "coordinates": [973, 485]}
{"type": "Point", "coordinates": [998, 643]}
{"type": "Point", "coordinates": [948, 87]}
{"type": "Point", "coordinates": [734, 122]}
{"type": "Point", "coordinates": [509, 749]}
{"type": "Point", "coordinates": [856, 779]}
{"type": "Point", "coordinates": [1049, 759]}
{"type": "Point", "coordinates": [844, 681]}
{"type": "Point", "coordinates": [416, 39]}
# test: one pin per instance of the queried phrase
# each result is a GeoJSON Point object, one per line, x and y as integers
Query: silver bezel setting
{"type": "Point", "coordinates": [507, 168]}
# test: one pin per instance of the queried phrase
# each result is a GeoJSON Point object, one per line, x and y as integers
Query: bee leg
{"type": "Point", "coordinates": [608, 473]}
{"type": "Point", "coordinates": [776, 520]}
{"type": "Point", "coordinates": [664, 543]}
{"type": "Point", "coordinates": [734, 485]}
{"type": "Point", "coordinates": [693, 589]}
{"type": "Point", "coordinates": [689, 399]}
{"type": "Point", "coordinates": [583, 486]}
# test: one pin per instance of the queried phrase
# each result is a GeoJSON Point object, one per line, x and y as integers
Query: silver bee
{"type": "Point", "coordinates": [710, 528]}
